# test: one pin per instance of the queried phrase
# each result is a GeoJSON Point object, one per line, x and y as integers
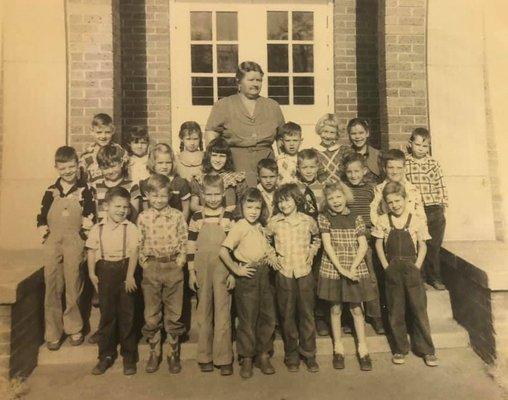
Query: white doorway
{"type": "Point", "coordinates": [293, 42]}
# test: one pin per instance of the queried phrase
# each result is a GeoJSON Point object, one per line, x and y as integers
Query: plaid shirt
{"type": "Point", "coordinates": [426, 175]}
{"type": "Point", "coordinates": [295, 238]}
{"type": "Point", "coordinates": [163, 233]}
{"type": "Point", "coordinates": [287, 169]}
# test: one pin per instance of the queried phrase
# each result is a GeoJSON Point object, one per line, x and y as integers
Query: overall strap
{"type": "Point", "coordinates": [100, 241]}
{"type": "Point", "coordinates": [124, 244]}
{"type": "Point", "coordinates": [221, 216]}
{"type": "Point", "coordinates": [408, 221]}
{"type": "Point", "coordinates": [391, 221]}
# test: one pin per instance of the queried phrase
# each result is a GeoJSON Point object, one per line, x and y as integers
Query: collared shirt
{"type": "Point", "coordinates": [112, 239]}
{"type": "Point", "coordinates": [417, 227]}
{"type": "Point", "coordinates": [268, 198]}
{"type": "Point", "coordinates": [287, 168]}
{"type": "Point", "coordinates": [425, 173]}
{"type": "Point", "coordinates": [88, 162]}
{"type": "Point", "coordinates": [80, 190]}
{"type": "Point", "coordinates": [294, 239]}
{"type": "Point", "coordinates": [163, 233]}
{"type": "Point", "coordinates": [247, 241]}
{"type": "Point", "coordinates": [138, 168]}
{"type": "Point", "coordinates": [331, 160]}
{"type": "Point", "coordinates": [363, 194]}
{"type": "Point", "coordinates": [414, 202]}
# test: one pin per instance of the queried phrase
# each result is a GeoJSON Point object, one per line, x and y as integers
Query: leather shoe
{"type": "Point", "coordinates": [102, 365]}
{"type": "Point", "coordinates": [246, 368]}
{"type": "Point", "coordinates": [264, 364]}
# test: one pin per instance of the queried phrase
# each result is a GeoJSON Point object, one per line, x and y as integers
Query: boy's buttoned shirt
{"type": "Point", "coordinates": [247, 241]}
{"type": "Point", "coordinates": [112, 239]}
{"type": "Point", "coordinates": [163, 233]}
{"type": "Point", "coordinates": [425, 173]}
{"type": "Point", "coordinates": [417, 227]}
{"type": "Point", "coordinates": [295, 237]}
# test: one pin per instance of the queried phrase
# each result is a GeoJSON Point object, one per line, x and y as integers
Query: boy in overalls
{"type": "Point", "coordinates": [211, 279]}
{"type": "Point", "coordinates": [112, 249]}
{"type": "Point", "coordinates": [67, 213]}
{"type": "Point", "coordinates": [397, 234]}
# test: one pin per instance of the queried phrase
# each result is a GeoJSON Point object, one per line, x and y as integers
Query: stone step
{"type": "Point", "coordinates": [446, 333]}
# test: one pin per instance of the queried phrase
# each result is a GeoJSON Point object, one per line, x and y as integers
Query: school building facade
{"type": "Point", "coordinates": [400, 63]}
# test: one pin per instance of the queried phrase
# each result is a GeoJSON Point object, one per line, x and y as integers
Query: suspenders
{"type": "Point", "coordinates": [124, 242]}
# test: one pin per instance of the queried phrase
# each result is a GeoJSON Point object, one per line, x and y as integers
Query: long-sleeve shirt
{"type": "Point", "coordinates": [83, 192]}
{"type": "Point", "coordinates": [295, 238]}
{"type": "Point", "coordinates": [425, 173]}
{"type": "Point", "coordinates": [163, 233]}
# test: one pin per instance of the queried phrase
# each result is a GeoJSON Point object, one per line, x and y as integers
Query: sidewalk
{"type": "Point", "coordinates": [461, 375]}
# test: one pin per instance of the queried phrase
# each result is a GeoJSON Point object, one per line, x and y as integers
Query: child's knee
{"type": "Point", "coordinates": [356, 309]}
{"type": "Point", "coordinates": [336, 310]}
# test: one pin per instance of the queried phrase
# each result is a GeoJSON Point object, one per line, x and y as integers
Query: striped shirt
{"type": "Point", "coordinates": [363, 194]}
{"type": "Point", "coordinates": [426, 175]}
{"type": "Point", "coordinates": [195, 224]}
{"type": "Point", "coordinates": [101, 187]}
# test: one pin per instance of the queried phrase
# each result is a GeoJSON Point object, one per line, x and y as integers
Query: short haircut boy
{"type": "Point", "coordinates": [102, 119]}
{"type": "Point", "coordinates": [289, 129]}
{"type": "Point", "coordinates": [156, 182]}
{"type": "Point", "coordinates": [394, 188]}
{"type": "Point", "coordinates": [421, 132]}
{"type": "Point", "coordinates": [65, 154]}
{"type": "Point", "coordinates": [117, 191]}
{"type": "Point", "coordinates": [110, 155]}
{"type": "Point", "coordinates": [353, 157]}
{"type": "Point", "coordinates": [213, 180]}
{"type": "Point", "coordinates": [269, 164]}
{"type": "Point", "coordinates": [393, 155]}
{"type": "Point", "coordinates": [307, 154]}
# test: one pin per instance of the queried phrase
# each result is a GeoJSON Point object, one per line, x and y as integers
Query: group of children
{"type": "Point", "coordinates": [290, 252]}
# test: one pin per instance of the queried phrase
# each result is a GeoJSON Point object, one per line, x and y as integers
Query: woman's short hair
{"type": "Point", "coordinates": [247, 66]}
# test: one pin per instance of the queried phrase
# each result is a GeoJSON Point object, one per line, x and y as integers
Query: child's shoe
{"type": "Point", "coordinates": [346, 329]}
{"type": "Point", "coordinates": [94, 338]}
{"type": "Point", "coordinates": [365, 363]}
{"type": "Point", "coordinates": [322, 327]}
{"type": "Point", "coordinates": [54, 346]}
{"type": "Point", "coordinates": [398, 358]}
{"type": "Point", "coordinates": [129, 368]}
{"type": "Point", "coordinates": [155, 358]}
{"type": "Point", "coordinates": [102, 365]}
{"type": "Point", "coordinates": [431, 360]}
{"type": "Point", "coordinates": [76, 339]}
{"type": "Point", "coordinates": [292, 366]}
{"type": "Point", "coordinates": [206, 367]}
{"type": "Point", "coordinates": [377, 324]}
{"type": "Point", "coordinates": [246, 368]}
{"type": "Point", "coordinates": [264, 364]}
{"type": "Point", "coordinates": [226, 370]}
{"type": "Point", "coordinates": [438, 285]}
{"type": "Point", "coordinates": [174, 359]}
{"type": "Point", "coordinates": [338, 361]}
{"type": "Point", "coordinates": [312, 365]}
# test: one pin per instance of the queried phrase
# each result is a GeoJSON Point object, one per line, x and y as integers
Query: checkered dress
{"type": "Point", "coordinates": [344, 231]}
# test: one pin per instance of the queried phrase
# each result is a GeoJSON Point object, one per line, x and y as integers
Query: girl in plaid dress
{"type": "Point", "coordinates": [343, 275]}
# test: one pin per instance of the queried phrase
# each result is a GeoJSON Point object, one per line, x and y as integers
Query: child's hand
{"type": "Point", "coordinates": [95, 282]}
{"type": "Point", "coordinates": [310, 258]}
{"type": "Point", "coordinates": [245, 270]}
{"type": "Point", "coordinates": [230, 282]}
{"type": "Point", "coordinates": [180, 260]}
{"type": "Point", "coordinates": [87, 223]}
{"type": "Point", "coordinates": [354, 274]}
{"type": "Point", "coordinates": [43, 232]}
{"type": "Point", "coordinates": [130, 284]}
{"type": "Point", "coordinates": [193, 281]}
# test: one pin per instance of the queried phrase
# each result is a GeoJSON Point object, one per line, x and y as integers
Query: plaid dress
{"type": "Point", "coordinates": [344, 230]}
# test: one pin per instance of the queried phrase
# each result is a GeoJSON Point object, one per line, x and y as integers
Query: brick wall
{"type": "Point", "coordinates": [402, 67]}
{"type": "Point", "coordinates": [90, 65]}
{"type": "Point", "coordinates": [5, 340]}
{"type": "Point", "coordinates": [145, 65]}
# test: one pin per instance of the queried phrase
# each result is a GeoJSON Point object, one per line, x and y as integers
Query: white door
{"type": "Point", "coordinates": [293, 43]}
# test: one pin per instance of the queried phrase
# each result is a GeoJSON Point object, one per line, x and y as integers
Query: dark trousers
{"type": "Point", "coordinates": [436, 224]}
{"type": "Point", "coordinates": [117, 312]}
{"type": "Point", "coordinates": [373, 307]}
{"type": "Point", "coordinates": [255, 309]}
{"type": "Point", "coordinates": [322, 307]}
{"type": "Point", "coordinates": [404, 286]}
{"type": "Point", "coordinates": [295, 299]}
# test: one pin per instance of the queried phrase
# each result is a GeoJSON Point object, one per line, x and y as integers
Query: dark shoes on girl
{"type": "Point", "coordinates": [338, 361]}
{"type": "Point", "coordinates": [365, 363]}
{"type": "Point", "coordinates": [206, 367]}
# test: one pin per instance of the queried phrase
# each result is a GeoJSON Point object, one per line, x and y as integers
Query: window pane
{"type": "Point", "coordinates": [202, 91]}
{"type": "Point", "coordinates": [303, 58]}
{"type": "Point", "coordinates": [201, 58]}
{"type": "Point", "coordinates": [227, 57]}
{"type": "Point", "coordinates": [277, 58]}
{"type": "Point", "coordinates": [277, 25]}
{"type": "Point", "coordinates": [303, 25]}
{"type": "Point", "coordinates": [303, 90]}
{"type": "Point", "coordinates": [226, 86]}
{"type": "Point", "coordinates": [201, 25]}
{"type": "Point", "coordinates": [278, 89]}
{"type": "Point", "coordinates": [227, 26]}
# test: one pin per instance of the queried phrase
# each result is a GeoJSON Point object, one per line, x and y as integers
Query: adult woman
{"type": "Point", "coordinates": [358, 131]}
{"type": "Point", "coordinates": [247, 121]}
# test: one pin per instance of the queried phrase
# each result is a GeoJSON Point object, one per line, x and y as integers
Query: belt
{"type": "Point", "coordinates": [165, 259]}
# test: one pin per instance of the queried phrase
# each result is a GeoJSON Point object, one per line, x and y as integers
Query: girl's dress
{"type": "Point", "coordinates": [344, 230]}
{"type": "Point", "coordinates": [188, 164]}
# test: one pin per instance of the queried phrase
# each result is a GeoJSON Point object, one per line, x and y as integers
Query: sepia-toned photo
{"type": "Point", "coordinates": [253, 199]}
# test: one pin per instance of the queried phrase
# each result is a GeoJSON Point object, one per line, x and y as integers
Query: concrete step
{"type": "Point", "coordinates": [446, 333]}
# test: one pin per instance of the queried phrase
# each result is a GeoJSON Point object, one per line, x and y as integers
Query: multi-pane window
{"type": "Point", "coordinates": [290, 57]}
{"type": "Point", "coordinates": [214, 55]}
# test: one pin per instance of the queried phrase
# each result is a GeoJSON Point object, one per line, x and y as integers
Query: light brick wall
{"type": "Point", "coordinates": [402, 66]}
{"type": "Point", "coordinates": [90, 66]}
{"type": "Point", "coordinates": [145, 66]}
